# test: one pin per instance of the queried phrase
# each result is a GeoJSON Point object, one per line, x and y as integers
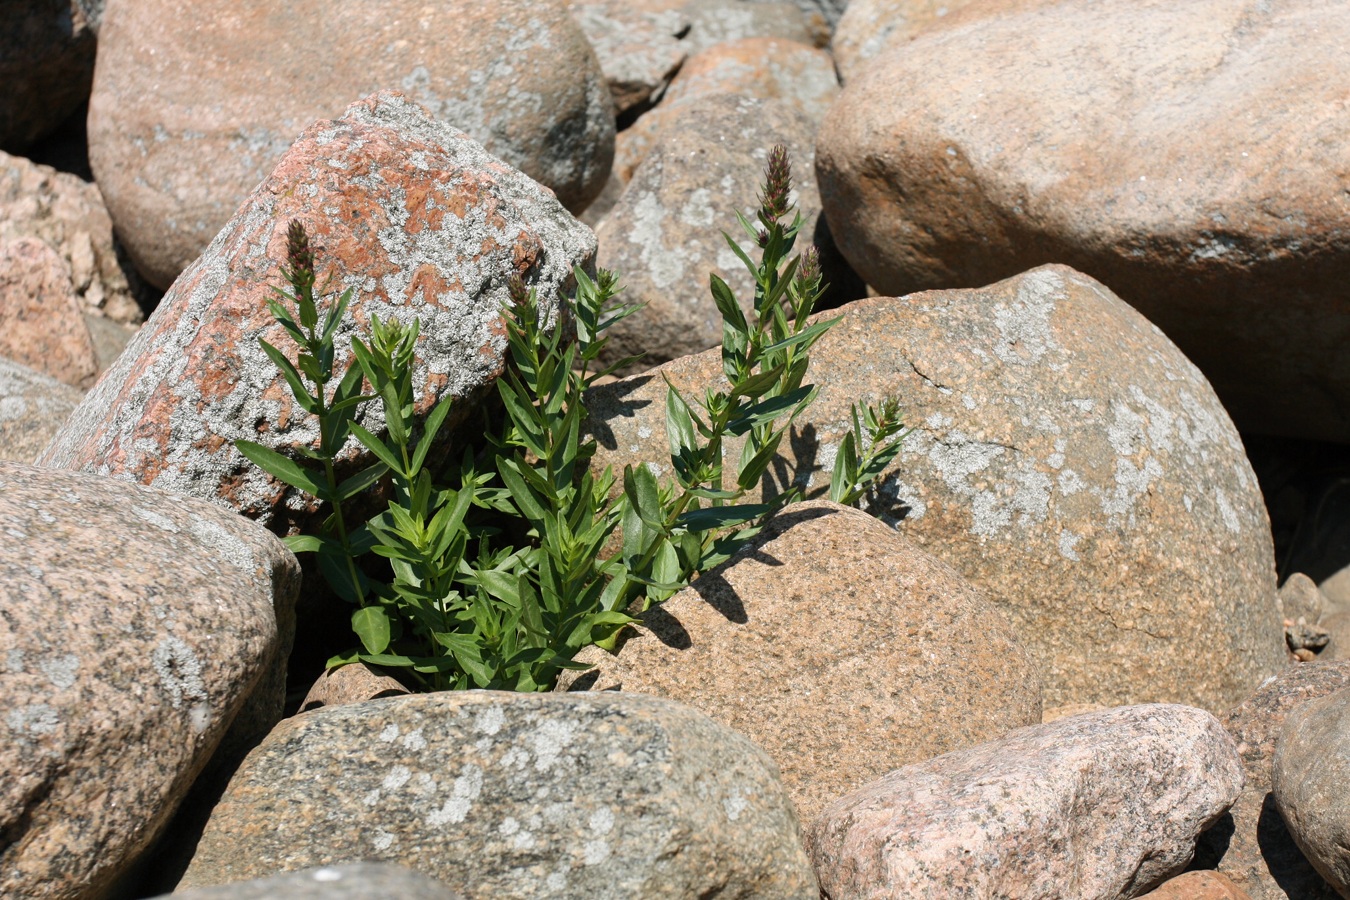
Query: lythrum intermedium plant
{"type": "Point", "coordinates": [490, 571]}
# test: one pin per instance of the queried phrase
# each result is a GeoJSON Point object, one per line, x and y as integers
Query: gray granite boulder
{"type": "Point", "coordinates": [140, 632]}
{"type": "Point", "coordinates": [352, 881]}
{"type": "Point", "coordinates": [1100, 806]}
{"type": "Point", "coordinates": [431, 228]}
{"type": "Point", "coordinates": [664, 236]}
{"type": "Point", "coordinates": [1066, 459]}
{"type": "Point", "coordinates": [32, 408]}
{"type": "Point", "coordinates": [515, 796]}
{"type": "Point", "coordinates": [638, 46]}
{"type": "Point", "coordinates": [1310, 781]}
{"type": "Point", "coordinates": [185, 120]}
{"type": "Point", "coordinates": [786, 644]}
{"type": "Point", "coordinates": [1251, 843]}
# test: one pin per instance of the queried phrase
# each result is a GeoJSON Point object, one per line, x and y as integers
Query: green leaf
{"type": "Point", "coordinates": [371, 625]}
{"type": "Point", "coordinates": [722, 516]}
{"type": "Point", "coordinates": [357, 483]}
{"type": "Point", "coordinates": [644, 495]}
{"type": "Point", "coordinates": [282, 468]}
{"type": "Point", "coordinates": [731, 311]}
{"type": "Point", "coordinates": [844, 476]}
{"type": "Point", "coordinates": [679, 423]}
{"type": "Point", "coordinates": [756, 385]}
{"type": "Point", "coordinates": [767, 410]}
{"type": "Point", "coordinates": [429, 432]}
{"type": "Point", "coordinates": [379, 448]}
{"type": "Point", "coordinates": [298, 390]}
{"type": "Point", "coordinates": [753, 468]}
{"type": "Point", "coordinates": [807, 336]}
{"type": "Point", "coordinates": [302, 543]}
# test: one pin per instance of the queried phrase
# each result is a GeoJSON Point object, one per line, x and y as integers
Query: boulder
{"type": "Point", "coordinates": [1251, 843]}
{"type": "Point", "coordinates": [664, 235]}
{"type": "Point", "coordinates": [46, 66]}
{"type": "Point", "coordinates": [40, 321]}
{"type": "Point", "coordinates": [1065, 458]}
{"type": "Point", "coordinates": [353, 881]}
{"type": "Point", "coordinates": [515, 796]}
{"type": "Point", "coordinates": [1190, 156]}
{"type": "Point", "coordinates": [1095, 807]}
{"type": "Point", "coordinates": [150, 624]}
{"type": "Point", "coordinates": [68, 214]}
{"type": "Point", "coordinates": [185, 121]}
{"type": "Point", "coordinates": [637, 44]}
{"type": "Point", "coordinates": [352, 683]}
{"type": "Point", "coordinates": [869, 27]}
{"type": "Point", "coordinates": [718, 21]}
{"type": "Point", "coordinates": [1201, 885]}
{"type": "Point", "coordinates": [788, 641]}
{"type": "Point", "coordinates": [32, 408]}
{"type": "Point", "coordinates": [1300, 598]}
{"type": "Point", "coordinates": [1310, 781]}
{"type": "Point", "coordinates": [413, 216]}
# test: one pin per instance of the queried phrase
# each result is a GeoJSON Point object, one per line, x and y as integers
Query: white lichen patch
{"type": "Point", "coordinates": [179, 671]}
{"type": "Point", "coordinates": [35, 719]}
{"type": "Point", "coordinates": [1024, 326]}
{"type": "Point", "coordinates": [1226, 512]}
{"type": "Point", "coordinates": [61, 671]}
{"type": "Point", "coordinates": [160, 521]}
{"type": "Point", "coordinates": [1067, 541]}
{"type": "Point", "coordinates": [465, 790]}
{"type": "Point", "coordinates": [548, 741]}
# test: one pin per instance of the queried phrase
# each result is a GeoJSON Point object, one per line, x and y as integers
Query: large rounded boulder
{"type": "Point", "coordinates": [190, 112]}
{"type": "Point", "coordinates": [1067, 459]}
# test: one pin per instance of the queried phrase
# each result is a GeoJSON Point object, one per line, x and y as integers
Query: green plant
{"type": "Point", "coordinates": [490, 573]}
{"type": "Point", "coordinates": [880, 430]}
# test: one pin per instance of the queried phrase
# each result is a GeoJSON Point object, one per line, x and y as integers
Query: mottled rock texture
{"type": "Point", "coordinates": [185, 120]}
{"type": "Point", "coordinates": [353, 683]}
{"type": "Point", "coordinates": [718, 21]}
{"type": "Point", "coordinates": [1066, 459]}
{"type": "Point", "coordinates": [1251, 843]}
{"type": "Point", "coordinates": [1310, 781]}
{"type": "Point", "coordinates": [763, 68]}
{"type": "Point", "coordinates": [46, 66]}
{"type": "Point", "coordinates": [1203, 885]}
{"type": "Point", "coordinates": [351, 881]}
{"type": "Point", "coordinates": [32, 408]}
{"type": "Point", "coordinates": [413, 216]}
{"type": "Point", "coordinates": [1191, 156]}
{"type": "Point", "coordinates": [136, 627]}
{"type": "Point", "coordinates": [638, 46]}
{"type": "Point", "coordinates": [68, 214]}
{"type": "Point", "coordinates": [40, 321]}
{"type": "Point", "coordinates": [869, 27]}
{"type": "Point", "coordinates": [1095, 807]}
{"type": "Point", "coordinates": [664, 236]}
{"type": "Point", "coordinates": [787, 644]}
{"type": "Point", "coordinates": [507, 796]}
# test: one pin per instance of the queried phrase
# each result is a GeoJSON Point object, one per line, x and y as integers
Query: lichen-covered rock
{"type": "Point", "coordinates": [46, 66]}
{"type": "Point", "coordinates": [68, 214]}
{"type": "Point", "coordinates": [784, 643]}
{"type": "Point", "coordinates": [664, 236]}
{"type": "Point", "coordinates": [1066, 459]}
{"type": "Point", "coordinates": [413, 216]}
{"type": "Point", "coordinates": [1251, 845]}
{"type": "Point", "coordinates": [1101, 806]}
{"type": "Point", "coordinates": [352, 881]}
{"type": "Point", "coordinates": [41, 326]}
{"type": "Point", "coordinates": [718, 21]}
{"type": "Point", "coordinates": [637, 44]}
{"type": "Point", "coordinates": [1120, 138]}
{"type": "Point", "coordinates": [137, 627]}
{"type": "Point", "coordinates": [186, 120]}
{"type": "Point", "coordinates": [1310, 781]}
{"type": "Point", "coordinates": [513, 796]}
{"type": "Point", "coordinates": [32, 408]}
{"type": "Point", "coordinates": [763, 68]}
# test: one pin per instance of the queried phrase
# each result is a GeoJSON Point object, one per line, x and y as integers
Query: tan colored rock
{"type": "Point", "coordinates": [68, 214]}
{"type": "Point", "coordinates": [836, 645]}
{"type": "Point", "coordinates": [141, 632]}
{"type": "Point", "coordinates": [40, 322]}
{"type": "Point", "coordinates": [664, 236]}
{"type": "Point", "coordinates": [715, 22]}
{"type": "Point", "coordinates": [1300, 598]}
{"type": "Point", "coordinates": [186, 120]}
{"type": "Point", "coordinates": [413, 216]}
{"type": "Point", "coordinates": [1310, 780]}
{"type": "Point", "coordinates": [637, 44]}
{"type": "Point", "coordinates": [515, 797]}
{"type": "Point", "coordinates": [354, 683]}
{"type": "Point", "coordinates": [32, 408]}
{"type": "Point", "coordinates": [1251, 844]}
{"type": "Point", "coordinates": [1338, 625]}
{"type": "Point", "coordinates": [1191, 156]}
{"type": "Point", "coordinates": [46, 66]}
{"type": "Point", "coordinates": [1095, 807]}
{"type": "Point", "coordinates": [764, 68]}
{"type": "Point", "coordinates": [1201, 885]}
{"type": "Point", "coordinates": [350, 881]}
{"type": "Point", "coordinates": [1066, 459]}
